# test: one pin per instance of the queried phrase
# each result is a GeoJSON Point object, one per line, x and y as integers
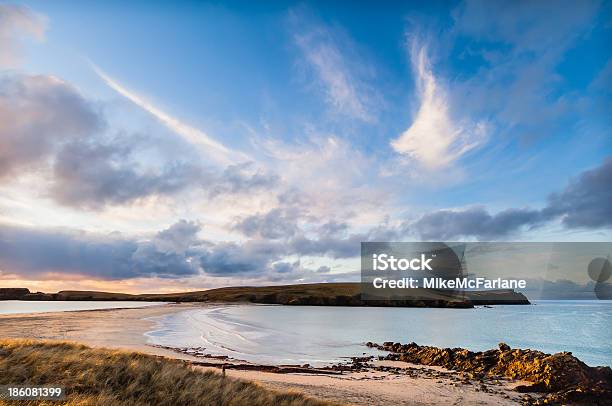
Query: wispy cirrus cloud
{"type": "Point", "coordinates": [17, 22]}
{"type": "Point", "coordinates": [211, 147]}
{"type": "Point", "coordinates": [435, 139]}
{"type": "Point", "coordinates": [523, 46]}
{"type": "Point", "coordinates": [344, 89]}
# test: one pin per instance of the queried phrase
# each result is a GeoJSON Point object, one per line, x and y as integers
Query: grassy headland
{"type": "Point", "coordinates": [111, 377]}
{"type": "Point", "coordinates": [321, 294]}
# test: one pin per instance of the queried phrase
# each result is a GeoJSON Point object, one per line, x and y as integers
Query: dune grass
{"type": "Point", "coordinates": [111, 377]}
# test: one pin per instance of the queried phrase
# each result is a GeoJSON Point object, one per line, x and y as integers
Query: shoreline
{"type": "Point", "coordinates": [381, 382]}
{"type": "Point", "coordinates": [125, 329]}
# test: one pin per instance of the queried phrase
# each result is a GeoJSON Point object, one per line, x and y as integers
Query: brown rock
{"type": "Point", "coordinates": [504, 347]}
{"type": "Point", "coordinates": [561, 375]}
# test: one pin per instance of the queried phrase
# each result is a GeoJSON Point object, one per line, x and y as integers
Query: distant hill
{"type": "Point", "coordinates": [317, 294]}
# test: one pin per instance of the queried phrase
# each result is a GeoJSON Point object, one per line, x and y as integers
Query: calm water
{"type": "Point", "coordinates": [320, 335]}
{"type": "Point", "coordinates": [24, 306]}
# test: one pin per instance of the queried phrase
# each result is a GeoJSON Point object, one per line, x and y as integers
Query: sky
{"type": "Point", "coordinates": [155, 146]}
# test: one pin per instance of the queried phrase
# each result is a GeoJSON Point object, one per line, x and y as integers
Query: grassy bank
{"type": "Point", "coordinates": [313, 294]}
{"type": "Point", "coordinates": [110, 377]}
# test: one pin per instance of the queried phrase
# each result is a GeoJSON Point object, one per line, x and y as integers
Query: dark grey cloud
{"type": "Point", "coordinates": [280, 226]}
{"type": "Point", "coordinates": [476, 221]}
{"type": "Point", "coordinates": [250, 257]}
{"type": "Point", "coordinates": [586, 202]}
{"type": "Point", "coordinates": [174, 252]}
{"type": "Point", "coordinates": [333, 228]}
{"type": "Point", "coordinates": [264, 256]}
{"type": "Point", "coordinates": [285, 267]}
{"type": "Point", "coordinates": [96, 174]}
{"type": "Point", "coordinates": [100, 172]}
{"type": "Point", "coordinates": [328, 246]}
{"type": "Point", "coordinates": [337, 246]}
{"type": "Point", "coordinates": [241, 178]}
{"type": "Point", "coordinates": [277, 223]}
{"type": "Point", "coordinates": [260, 256]}
{"type": "Point", "coordinates": [28, 251]}
{"type": "Point", "coordinates": [180, 236]}
{"type": "Point", "coordinates": [37, 114]}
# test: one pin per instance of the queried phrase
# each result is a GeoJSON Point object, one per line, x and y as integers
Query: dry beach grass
{"type": "Point", "coordinates": [114, 377]}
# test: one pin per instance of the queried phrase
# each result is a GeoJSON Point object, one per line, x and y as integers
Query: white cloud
{"type": "Point", "coordinates": [434, 139]}
{"type": "Point", "coordinates": [17, 22]}
{"type": "Point", "coordinates": [212, 148]}
{"type": "Point", "coordinates": [327, 178]}
{"type": "Point", "coordinates": [343, 91]}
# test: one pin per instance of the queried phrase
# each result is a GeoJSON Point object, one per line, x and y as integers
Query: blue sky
{"type": "Point", "coordinates": [268, 139]}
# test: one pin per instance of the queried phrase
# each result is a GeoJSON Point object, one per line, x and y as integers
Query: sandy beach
{"type": "Point", "coordinates": [125, 329]}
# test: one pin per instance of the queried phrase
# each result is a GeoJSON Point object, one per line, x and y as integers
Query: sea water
{"type": "Point", "coordinates": [320, 335]}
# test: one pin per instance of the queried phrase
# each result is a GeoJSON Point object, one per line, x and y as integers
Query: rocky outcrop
{"type": "Point", "coordinates": [561, 377]}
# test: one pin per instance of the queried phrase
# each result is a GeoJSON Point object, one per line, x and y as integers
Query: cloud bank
{"type": "Point", "coordinates": [35, 252]}
{"type": "Point", "coordinates": [586, 202]}
{"type": "Point", "coordinates": [39, 114]}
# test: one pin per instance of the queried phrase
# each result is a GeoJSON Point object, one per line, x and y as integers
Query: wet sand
{"type": "Point", "coordinates": [125, 328]}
